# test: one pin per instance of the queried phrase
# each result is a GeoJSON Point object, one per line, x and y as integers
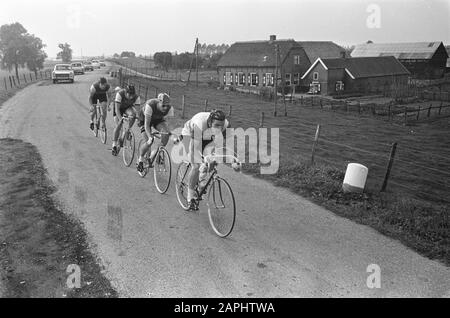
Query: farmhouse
{"type": "Point", "coordinates": [356, 75]}
{"type": "Point", "coordinates": [252, 65]}
{"type": "Point", "coordinates": [423, 59]}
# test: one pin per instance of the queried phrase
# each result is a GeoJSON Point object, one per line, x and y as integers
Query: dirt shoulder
{"type": "Point", "coordinates": [38, 242]}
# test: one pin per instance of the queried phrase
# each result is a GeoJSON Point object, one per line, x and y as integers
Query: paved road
{"type": "Point", "coordinates": [282, 244]}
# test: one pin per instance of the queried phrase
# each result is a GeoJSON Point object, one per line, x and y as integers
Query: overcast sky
{"type": "Point", "coordinates": [147, 26]}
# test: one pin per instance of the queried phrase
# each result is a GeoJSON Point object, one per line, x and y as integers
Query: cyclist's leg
{"type": "Point", "coordinates": [103, 107]}
{"type": "Point", "coordinates": [163, 128]}
{"type": "Point", "coordinates": [131, 116]}
{"type": "Point", "coordinates": [193, 176]}
{"type": "Point", "coordinates": [117, 129]}
{"type": "Point", "coordinates": [92, 111]}
{"type": "Point", "coordinates": [144, 146]}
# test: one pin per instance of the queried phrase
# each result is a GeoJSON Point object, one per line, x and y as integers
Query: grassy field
{"type": "Point", "coordinates": [414, 207]}
{"type": "Point", "coordinates": [148, 68]}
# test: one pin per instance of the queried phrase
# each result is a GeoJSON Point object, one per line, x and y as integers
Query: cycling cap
{"type": "Point", "coordinates": [130, 89]}
{"type": "Point", "coordinates": [164, 98]}
{"type": "Point", "coordinates": [217, 114]}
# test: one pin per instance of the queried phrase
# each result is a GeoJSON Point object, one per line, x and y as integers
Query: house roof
{"type": "Point", "coordinates": [322, 49]}
{"type": "Point", "coordinates": [363, 67]}
{"type": "Point", "coordinates": [402, 51]}
{"type": "Point", "coordinates": [262, 53]}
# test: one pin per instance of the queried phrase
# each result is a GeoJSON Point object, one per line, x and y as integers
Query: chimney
{"type": "Point", "coordinates": [273, 38]}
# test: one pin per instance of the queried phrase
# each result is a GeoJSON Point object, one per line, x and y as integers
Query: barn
{"type": "Point", "coordinates": [252, 65]}
{"type": "Point", "coordinates": [366, 75]}
{"type": "Point", "coordinates": [425, 60]}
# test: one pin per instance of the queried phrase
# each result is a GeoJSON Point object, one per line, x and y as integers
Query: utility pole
{"type": "Point", "coordinates": [276, 81]}
{"type": "Point", "coordinates": [192, 61]}
{"type": "Point", "coordinates": [196, 62]}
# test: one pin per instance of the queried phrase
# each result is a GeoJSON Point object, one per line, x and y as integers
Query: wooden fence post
{"type": "Point", "coordinates": [389, 111]}
{"type": "Point", "coordinates": [389, 167]}
{"type": "Point", "coordinates": [440, 107]}
{"type": "Point", "coordinates": [229, 111]}
{"type": "Point", "coordinates": [6, 85]}
{"type": "Point", "coordinates": [261, 122]}
{"type": "Point", "coordinates": [182, 106]}
{"type": "Point", "coordinates": [429, 110]}
{"type": "Point", "coordinates": [316, 140]}
{"type": "Point", "coordinates": [206, 105]}
{"type": "Point", "coordinates": [18, 80]}
{"type": "Point", "coordinates": [10, 81]}
{"type": "Point", "coordinates": [285, 109]}
{"type": "Point", "coordinates": [406, 116]}
{"type": "Point", "coordinates": [146, 92]}
{"type": "Point", "coordinates": [418, 113]}
{"type": "Point", "coordinates": [156, 92]}
{"type": "Point", "coordinates": [31, 77]}
{"type": "Point", "coordinates": [14, 81]}
{"type": "Point", "coordinates": [24, 78]}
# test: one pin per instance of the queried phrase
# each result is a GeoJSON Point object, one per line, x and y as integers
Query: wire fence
{"type": "Point", "coordinates": [415, 172]}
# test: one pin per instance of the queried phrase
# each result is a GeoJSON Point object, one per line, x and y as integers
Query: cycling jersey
{"type": "Point", "coordinates": [98, 93]}
{"type": "Point", "coordinates": [200, 122]}
{"type": "Point", "coordinates": [150, 109]}
{"type": "Point", "coordinates": [125, 102]}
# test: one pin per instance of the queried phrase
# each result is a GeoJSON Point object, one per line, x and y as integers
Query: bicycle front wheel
{"type": "Point", "coordinates": [128, 148]}
{"type": "Point", "coordinates": [221, 207]}
{"type": "Point", "coordinates": [103, 135]}
{"type": "Point", "coordinates": [162, 170]}
{"type": "Point", "coordinates": [181, 184]}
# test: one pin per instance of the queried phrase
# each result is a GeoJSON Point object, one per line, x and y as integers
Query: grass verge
{"type": "Point", "coordinates": [422, 226]}
{"type": "Point", "coordinates": [38, 241]}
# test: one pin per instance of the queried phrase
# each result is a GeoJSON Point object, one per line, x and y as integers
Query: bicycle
{"type": "Point", "coordinates": [103, 134]}
{"type": "Point", "coordinates": [162, 171]}
{"type": "Point", "coordinates": [221, 222]}
{"type": "Point", "coordinates": [126, 141]}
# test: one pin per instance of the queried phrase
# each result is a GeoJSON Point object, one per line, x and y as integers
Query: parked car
{"type": "Point", "coordinates": [77, 68]}
{"type": "Point", "coordinates": [95, 64]}
{"type": "Point", "coordinates": [102, 63]}
{"type": "Point", "coordinates": [88, 66]}
{"type": "Point", "coordinates": [62, 72]}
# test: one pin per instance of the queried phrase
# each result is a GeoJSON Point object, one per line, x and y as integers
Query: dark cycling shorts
{"type": "Point", "coordinates": [121, 109]}
{"type": "Point", "coordinates": [153, 123]}
{"type": "Point", "coordinates": [100, 98]}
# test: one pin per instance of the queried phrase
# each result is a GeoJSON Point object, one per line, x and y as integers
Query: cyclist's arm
{"type": "Point", "coordinates": [91, 95]}
{"type": "Point", "coordinates": [117, 103]}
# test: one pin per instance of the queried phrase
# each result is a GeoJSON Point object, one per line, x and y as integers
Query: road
{"type": "Point", "coordinates": [282, 245]}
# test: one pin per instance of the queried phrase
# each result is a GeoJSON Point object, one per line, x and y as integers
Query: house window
{"type": "Point", "coordinates": [231, 79]}
{"type": "Point", "coordinates": [254, 79]}
{"type": "Point", "coordinates": [296, 59]}
{"type": "Point", "coordinates": [296, 78]}
{"type": "Point", "coordinates": [269, 79]}
{"type": "Point", "coordinates": [235, 79]}
{"type": "Point", "coordinates": [228, 78]}
{"type": "Point", "coordinates": [241, 79]}
{"type": "Point", "coordinates": [248, 80]}
{"type": "Point", "coordinates": [339, 86]}
{"type": "Point", "coordinates": [316, 76]}
{"type": "Point", "coordinates": [287, 79]}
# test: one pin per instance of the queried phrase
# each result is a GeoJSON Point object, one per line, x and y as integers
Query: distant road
{"type": "Point", "coordinates": [282, 245]}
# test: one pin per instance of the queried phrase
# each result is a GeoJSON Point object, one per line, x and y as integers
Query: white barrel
{"type": "Point", "coordinates": [355, 178]}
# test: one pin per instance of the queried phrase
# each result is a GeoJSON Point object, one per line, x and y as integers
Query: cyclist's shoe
{"type": "Point", "coordinates": [114, 151]}
{"type": "Point", "coordinates": [91, 126]}
{"type": "Point", "coordinates": [140, 167]}
{"type": "Point", "coordinates": [193, 205]}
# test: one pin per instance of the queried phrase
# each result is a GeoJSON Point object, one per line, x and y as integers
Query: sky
{"type": "Point", "coordinates": [99, 27]}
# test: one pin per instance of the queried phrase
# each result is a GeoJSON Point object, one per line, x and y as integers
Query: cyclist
{"type": "Point", "coordinates": [99, 93]}
{"type": "Point", "coordinates": [125, 101]}
{"type": "Point", "coordinates": [153, 114]}
{"type": "Point", "coordinates": [201, 128]}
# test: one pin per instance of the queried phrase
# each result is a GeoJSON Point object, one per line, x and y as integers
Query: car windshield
{"type": "Point", "coordinates": [62, 67]}
{"type": "Point", "coordinates": [87, 63]}
{"type": "Point", "coordinates": [76, 65]}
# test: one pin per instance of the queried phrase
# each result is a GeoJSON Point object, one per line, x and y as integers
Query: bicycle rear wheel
{"type": "Point", "coordinates": [162, 170]}
{"type": "Point", "coordinates": [128, 149]}
{"type": "Point", "coordinates": [221, 207]}
{"type": "Point", "coordinates": [181, 184]}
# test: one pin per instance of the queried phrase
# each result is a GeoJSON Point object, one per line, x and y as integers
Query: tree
{"type": "Point", "coordinates": [163, 60]}
{"type": "Point", "coordinates": [116, 55]}
{"type": "Point", "coordinates": [18, 48]}
{"type": "Point", "coordinates": [66, 53]}
{"type": "Point", "coordinates": [127, 54]}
